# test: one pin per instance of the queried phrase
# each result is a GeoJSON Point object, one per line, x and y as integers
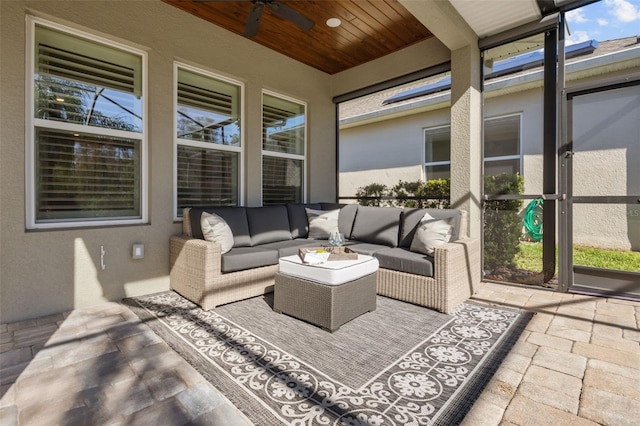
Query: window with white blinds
{"type": "Point", "coordinates": [283, 150]}
{"type": "Point", "coordinates": [208, 139]}
{"type": "Point", "coordinates": [81, 175]}
{"type": "Point", "coordinates": [207, 177]}
{"type": "Point", "coordinates": [87, 144]}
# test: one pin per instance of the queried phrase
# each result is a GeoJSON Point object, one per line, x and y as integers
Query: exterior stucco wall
{"type": "Point", "coordinates": [529, 104]}
{"type": "Point", "coordinates": [51, 271]}
{"type": "Point", "coordinates": [385, 152]}
{"type": "Point", "coordinates": [406, 135]}
{"type": "Point", "coordinates": [606, 146]}
{"type": "Point", "coordinates": [596, 172]}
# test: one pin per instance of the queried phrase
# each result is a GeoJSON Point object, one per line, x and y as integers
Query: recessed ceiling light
{"type": "Point", "coordinates": [333, 22]}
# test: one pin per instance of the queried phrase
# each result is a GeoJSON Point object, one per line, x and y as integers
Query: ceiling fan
{"type": "Point", "coordinates": [280, 9]}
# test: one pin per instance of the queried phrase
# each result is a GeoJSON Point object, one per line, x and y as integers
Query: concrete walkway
{"type": "Point", "coordinates": [578, 362]}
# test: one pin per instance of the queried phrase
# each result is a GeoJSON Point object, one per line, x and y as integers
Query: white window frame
{"type": "Point", "coordinates": [514, 156]}
{"type": "Point", "coordinates": [267, 153]}
{"type": "Point", "coordinates": [485, 159]}
{"type": "Point", "coordinates": [205, 145]}
{"type": "Point", "coordinates": [426, 164]}
{"type": "Point", "coordinates": [32, 123]}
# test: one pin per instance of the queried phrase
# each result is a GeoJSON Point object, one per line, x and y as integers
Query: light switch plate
{"type": "Point", "coordinates": [138, 251]}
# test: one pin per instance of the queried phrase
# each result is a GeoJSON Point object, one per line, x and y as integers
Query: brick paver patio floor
{"type": "Point", "coordinates": [578, 362]}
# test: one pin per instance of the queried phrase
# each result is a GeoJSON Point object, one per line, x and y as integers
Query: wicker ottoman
{"type": "Point", "coordinates": [326, 295]}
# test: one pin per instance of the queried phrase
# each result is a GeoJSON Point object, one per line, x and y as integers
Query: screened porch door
{"type": "Point", "coordinates": [602, 182]}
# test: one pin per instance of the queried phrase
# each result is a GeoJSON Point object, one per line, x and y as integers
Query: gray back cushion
{"type": "Point", "coordinates": [377, 225]}
{"type": "Point", "coordinates": [346, 218]}
{"type": "Point", "coordinates": [411, 219]}
{"type": "Point", "coordinates": [298, 223]}
{"type": "Point", "coordinates": [268, 224]}
{"type": "Point", "coordinates": [236, 218]}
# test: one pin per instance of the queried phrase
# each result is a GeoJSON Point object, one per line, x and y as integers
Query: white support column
{"type": "Point", "coordinates": [466, 135]}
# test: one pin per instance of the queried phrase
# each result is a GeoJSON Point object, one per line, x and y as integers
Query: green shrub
{"type": "Point", "coordinates": [431, 194]}
{"type": "Point", "coordinates": [439, 193]}
{"type": "Point", "coordinates": [502, 223]}
{"type": "Point", "coordinates": [375, 190]}
{"type": "Point", "coordinates": [402, 190]}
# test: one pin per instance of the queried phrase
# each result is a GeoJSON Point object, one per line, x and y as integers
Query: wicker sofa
{"type": "Point", "coordinates": [261, 235]}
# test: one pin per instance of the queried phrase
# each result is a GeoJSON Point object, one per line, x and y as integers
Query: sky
{"type": "Point", "coordinates": [604, 20]}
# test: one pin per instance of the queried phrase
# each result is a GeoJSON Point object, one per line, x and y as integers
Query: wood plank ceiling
{"type": "Point", "coordinates": [370, 29]}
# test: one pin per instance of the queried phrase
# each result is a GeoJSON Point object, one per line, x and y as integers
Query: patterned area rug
{"type": "Point", "coordinates": [399, 365]}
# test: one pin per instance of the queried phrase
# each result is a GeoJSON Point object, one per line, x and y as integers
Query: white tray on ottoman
{"type": "Point", "coordinates": [327, 295]}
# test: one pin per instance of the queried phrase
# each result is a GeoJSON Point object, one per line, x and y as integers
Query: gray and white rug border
{"type": "Point", "coordinates": [488, 362]}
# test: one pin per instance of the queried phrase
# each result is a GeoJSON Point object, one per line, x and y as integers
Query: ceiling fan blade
{"type": "Point", "coordinates": [253, 21]}
{"type": "Point", "coordinates": [289, 14]}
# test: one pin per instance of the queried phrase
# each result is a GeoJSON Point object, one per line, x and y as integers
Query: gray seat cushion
{"type": "Point", "coordinates": [268, 224]}
{"type": "Point", "coordinates": [241, 258]}
{"type": "Point", "coordinates": [410, 220]}
{"type": "Point", "coordinates": [365, 248]}
{"type": "Point", "coordinates": [377, 225]}
{"type": "Point", "coordinates": [236, 218]}
{"type": "Point", "coordinates": [403, 260]}
{"type": "Point", "coordinates": [298, 223]}
{"type": "Point", "coordinates": [289, 248]}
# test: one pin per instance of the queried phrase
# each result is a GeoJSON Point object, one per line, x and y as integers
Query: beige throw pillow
{"type": "Point", "coordinates": [322, 223]}
{"type": "Point", "coordinates": [215, 229]}
{"type": "Point", "coordinates": [431, 233]}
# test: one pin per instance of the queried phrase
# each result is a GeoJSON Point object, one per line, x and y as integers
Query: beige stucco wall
{"type": "Point", "coordinates": [50, 271]}
{"type": "Point", "coordinates": [466, 135]}
{"type": "Point", "coordinates": [528, 103]}
{"type": "Point", "coordinates": [386, 151]}
{"type": "Point", "coordinates": [406, 132]}
{"type": "Point", "coordinates": [606, 145]}
{"type": "Point", "coordinates": [414, 58]}
{"type": "Point", "coordinates": [384, 158]}
{"type": "Point", "coordinates": [603, 123]}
